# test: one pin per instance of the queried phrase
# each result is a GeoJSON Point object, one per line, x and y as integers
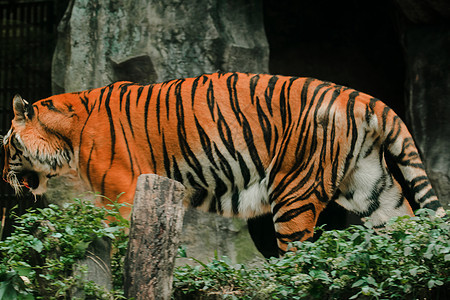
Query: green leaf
{"type": "Point", "coordinates": [23, 269]}
{"type": "Point", "coordinates": [359, 283]}
{"type": "Point", "coordinates": [7, 291]}
{"type": "Point", "coordinates": [26, 297]}
{"type": "Point", "coordinates": [407, 251]}
{"type": "Point", "coordinates": [69, 230]}
{"type": "Point", "coordinates": [82, 246]}
{"type": "Point", "coordinates": [414, 271]}
{"type": "Point", "coordinates": [37, 245]}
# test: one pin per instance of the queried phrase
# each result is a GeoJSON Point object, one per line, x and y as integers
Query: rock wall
{"type": "Point", "coordinates": [102, 41]}
{"type": "Point", "coordinates": [149, 40]}
{"type": "Point", "coordinates": [425, 36]}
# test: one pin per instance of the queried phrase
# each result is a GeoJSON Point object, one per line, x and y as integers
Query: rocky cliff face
{"type": "Point", "coordinates": [148, 40]}
{"type": "Point", "coordinates": [425, 37]}
{"type": "Point", "coordinates": [102, 41]}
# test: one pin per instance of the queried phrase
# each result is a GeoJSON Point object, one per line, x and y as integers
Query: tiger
{"type": "Point", "coordinates": [243, 145]}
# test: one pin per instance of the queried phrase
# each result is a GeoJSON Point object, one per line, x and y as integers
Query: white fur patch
{"type": "Point", "coordinates": [254, 200]}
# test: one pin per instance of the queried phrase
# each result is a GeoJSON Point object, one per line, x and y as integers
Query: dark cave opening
{"type": "Point", "coordinates": [352, 43]}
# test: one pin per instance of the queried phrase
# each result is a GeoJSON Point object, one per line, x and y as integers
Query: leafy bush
{"type": "Point", "coordinates": [37, 260]}
{"type": "Point", "coordinates": [408, 260]}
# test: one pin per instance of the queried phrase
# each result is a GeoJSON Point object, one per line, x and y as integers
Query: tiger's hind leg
{"type": "Point", "coordinates": [262, 232]}
{"type": "Point", "coordinates": [370, 191]}
{"type": "Point", "coordinates": [296, 205]}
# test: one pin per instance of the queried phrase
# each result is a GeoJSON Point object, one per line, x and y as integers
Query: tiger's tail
{"type": "Point", "coordinates": [400, 145]}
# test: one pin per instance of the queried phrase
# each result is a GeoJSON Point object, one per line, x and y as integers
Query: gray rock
{"type": "Point", "coordinates": [102, 41]}
{"type": "Point", "coordinates": [427, 50]}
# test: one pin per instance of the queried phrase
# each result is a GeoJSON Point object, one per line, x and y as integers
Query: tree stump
{"type": "Point", "coordinates": [156, 223]}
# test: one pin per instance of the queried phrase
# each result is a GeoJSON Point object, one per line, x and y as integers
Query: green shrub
{"type": "Point", "coordinates": [37, 260]}
{"type": "Point", "coordinates": [408, 260]}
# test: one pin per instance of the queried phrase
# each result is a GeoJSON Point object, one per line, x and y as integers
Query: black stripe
{"type": "Point", "coordinates": [85, 101]}
{"type": "Point", "coordinates": [248, 137]}
{"type": "Point", "coordinates": [384, 117]}
{"type": "Point", "coordinates": [139, 93]}
{"type": "Point", "coordinates": [225, 133]}
{"type": "Point", "coordinates": [433, 205]}
{"type": "Point", "coordinates": [48, 104]}
{"type": "Point", "coordinates": [146, 111]}
{"type": "Point", "coordinates": [199, 194]}
{"type": "Point", "coordinates": [128, 150]}
{"type": "Point", "coordinates": [304, 93]}
{"type": "Point", "coordinates": [370, 109]}
{"type": "Point", "coordinates": [224, 165]}
{"type": "Point", "coordinates": [244, 170]}
{"type": "Point", "coordinates": [166, 159]}
{"type": "Point", "coordinates": [210, 99]}
{"type": "Point", "coordinates": [268, 94]}
{"type": "Point", "coordinates": [314, 139]}
{"type": "Point", "coordinates": [292, 213]}
{"type": "Point", "coordinates": [284, 183]}
{"type": "Point", "coordinates": [88, 164]}
{"type": "Point", "coordinates": [186, 150]}
{"type": "Point", "coordinates": [265, 125]}
{"type": "Point", "coordinates": [111, 126]}
{"type": "Point", "coordinates": [193, 90]}
{"type": "Point", "coordinates": [102, 91]}
{"type": "Point", "coordinates": [335, 169]}
{"type": "Point", "coordinates": [235, 201]}
{"type": "Point", "coordinates": [206, 142]}
{"type": "Point", "coordinates": [158, 109]}
{"type": "Point", "coordinates": [395, 130]}
{"type": "Point", "coordinates": [253, 83]}
{"type": "Point", "coordinates": [284, 107]}
{"type": "Point", "coordinates": [295, 236]}
{"type": "Point", "coordinates": [351, 124]}
{"type": "Point", "coordinates": [172, 83]}
{"type": "Point", "coordinates": [234, 103]}
{"type": "Point", "coordinates": [427, 196]}
{"type": "Point", "coordinates": [113, 136]}
{"type": "Point", "coordinates": [220, 190]}
{"type": "Point", "coordinates": [123, 90]}
{"type": "Point", "coordinates": [127, 111]}
{"type": "Point", "coordinates": [176, 171]}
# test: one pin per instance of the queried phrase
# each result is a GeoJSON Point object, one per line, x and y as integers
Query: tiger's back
{"type": "Point", "coordinates": [243, 145]}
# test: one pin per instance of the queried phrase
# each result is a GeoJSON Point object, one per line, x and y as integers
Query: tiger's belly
{"type": "Point", "coordinates": [237, 201]}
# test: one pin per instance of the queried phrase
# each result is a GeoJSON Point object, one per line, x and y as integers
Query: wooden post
{"type": "Point", "coordinates": [98, 264]}
{"type": "Point", "coordinates": [156, 223]}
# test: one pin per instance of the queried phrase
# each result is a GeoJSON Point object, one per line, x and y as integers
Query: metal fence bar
{"type": "Point", "coordinates": [27, 39]}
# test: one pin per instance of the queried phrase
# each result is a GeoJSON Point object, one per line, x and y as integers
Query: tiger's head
{"type": "Point", "coordinates": [33, 151]}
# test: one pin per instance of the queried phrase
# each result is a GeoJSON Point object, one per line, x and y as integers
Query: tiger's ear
{"type": "Point", "coordinates": [22, 109]}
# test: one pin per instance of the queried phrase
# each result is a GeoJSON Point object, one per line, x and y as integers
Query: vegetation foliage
{"type": "Point", "coordinates": [408, 260]}
{"type": "Point", "coordinates": [37, 261]}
